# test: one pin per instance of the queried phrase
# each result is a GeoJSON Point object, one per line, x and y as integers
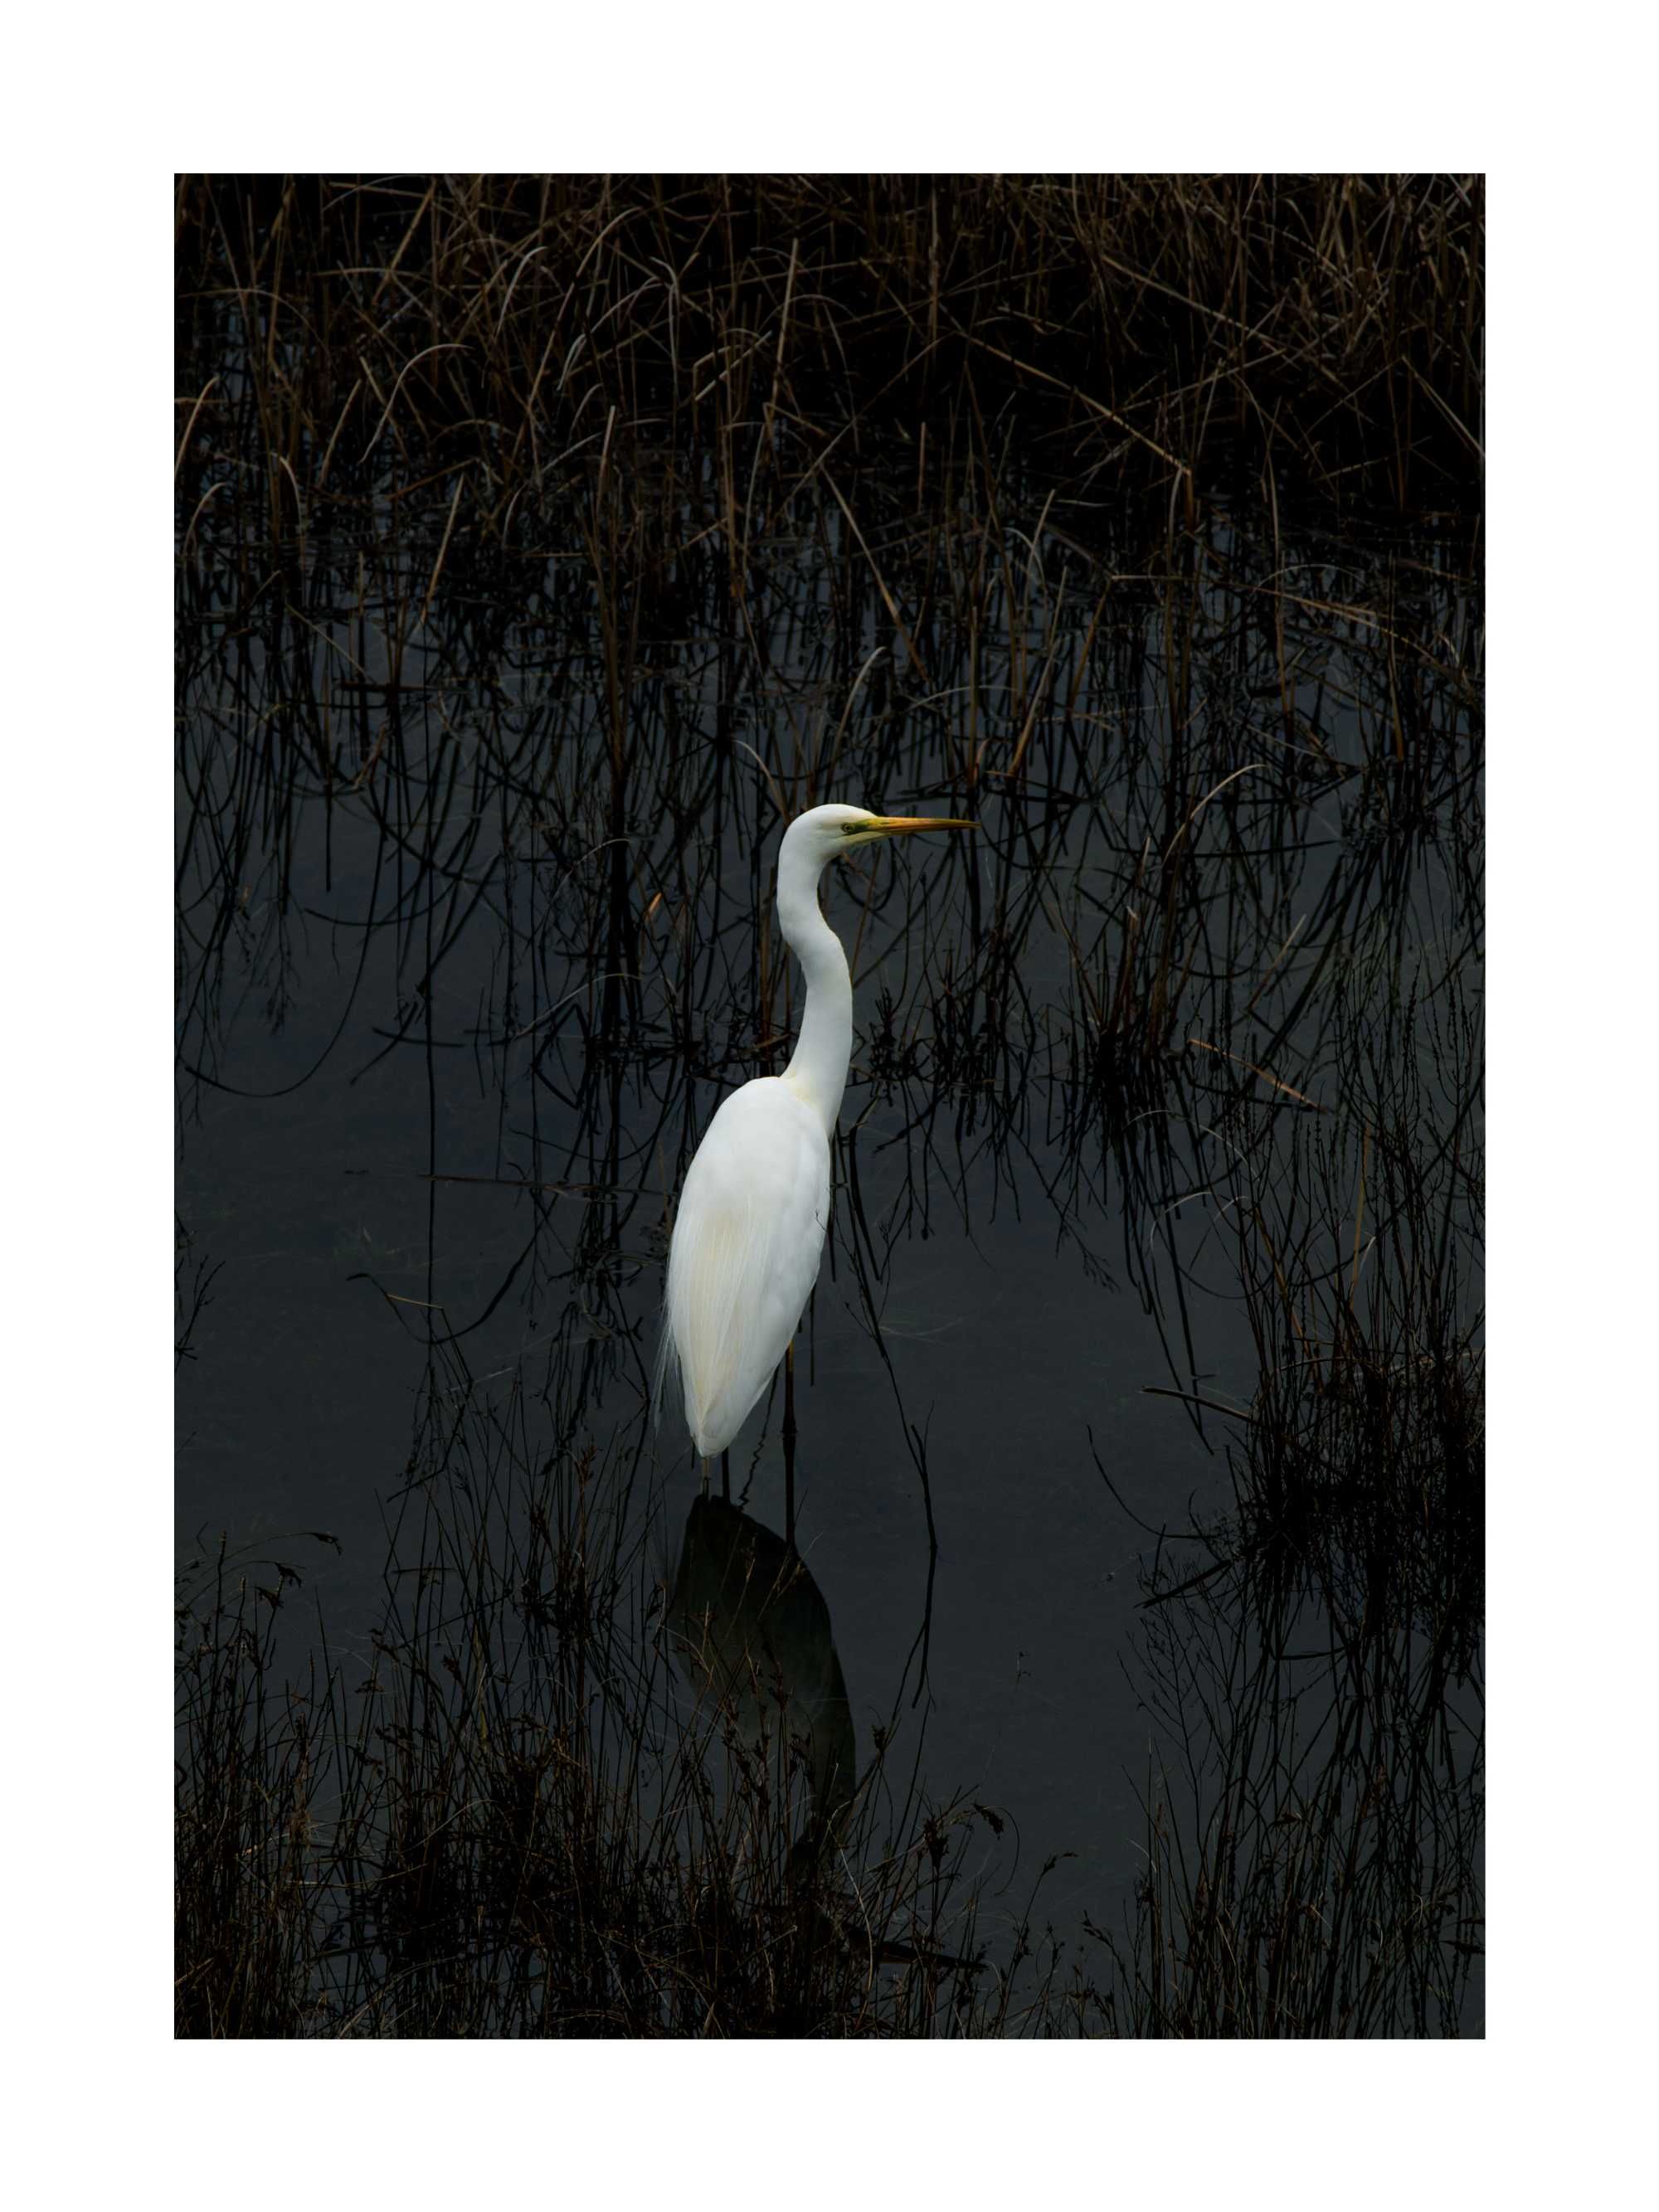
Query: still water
{"type": "Point", "coordinates": [1162, 1134]}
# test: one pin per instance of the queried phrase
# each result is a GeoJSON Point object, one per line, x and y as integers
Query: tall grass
{"type": "Point", "coordinates": [505, 328]}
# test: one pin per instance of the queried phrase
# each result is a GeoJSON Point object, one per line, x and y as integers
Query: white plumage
{"type": "Point", "coordinates": [746, 1254]}
{"type": "Point", "coordinates": [749, 1229]}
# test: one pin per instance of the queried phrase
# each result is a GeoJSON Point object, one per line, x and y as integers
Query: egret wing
{"type": "Point", "coordinates": [744, 1256]}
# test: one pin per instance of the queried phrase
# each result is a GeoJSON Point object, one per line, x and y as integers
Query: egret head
{"type": "Point", "coordinates": [829, 833]}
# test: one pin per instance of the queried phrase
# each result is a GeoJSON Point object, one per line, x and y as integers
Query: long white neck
{"type": "Point", "coordinates": [824, 1047]}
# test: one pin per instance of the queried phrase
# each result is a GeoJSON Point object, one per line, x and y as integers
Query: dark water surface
{"type": "Point", "coordinates": [1157, 1181]}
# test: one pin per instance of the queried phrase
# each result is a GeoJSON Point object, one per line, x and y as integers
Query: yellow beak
{"type": "Point", "coordinates": [906, 825]}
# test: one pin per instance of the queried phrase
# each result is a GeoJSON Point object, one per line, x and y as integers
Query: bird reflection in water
{"type": "Point", "coordinates": [751, 1632]}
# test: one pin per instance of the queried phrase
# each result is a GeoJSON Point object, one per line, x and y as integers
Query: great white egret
{"type": "Point", "coordinates": [750, 1230]}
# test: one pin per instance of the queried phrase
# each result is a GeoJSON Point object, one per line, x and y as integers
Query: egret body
{"type": "Point", "coordinates": [750, 1230]}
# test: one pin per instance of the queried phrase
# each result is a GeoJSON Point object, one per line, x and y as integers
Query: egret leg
{"type": "Point", "coordinates": [726, 1476]}
{"type": "Point", "coordinates": [704, 1465]}
{"type": "Point", "coordinates": [789, 1446]}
